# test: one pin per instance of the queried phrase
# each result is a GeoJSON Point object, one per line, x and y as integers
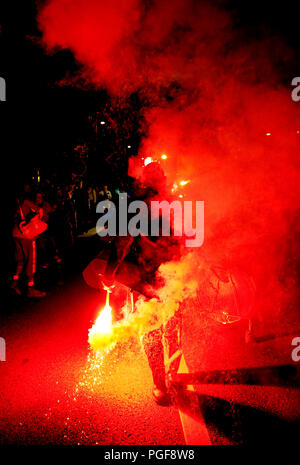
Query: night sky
{"type": "Point", "coordinates": [45, 119]}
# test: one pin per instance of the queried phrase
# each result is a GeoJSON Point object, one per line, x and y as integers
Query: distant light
{"type": "Point", "coordinates": [268, 134]}
{"type": "Point", "coordinates": [102, 122]}
{"type": "Point", "coordinates": [147, 161]}
{"type": "Point", "coordinates": [183, 183]}
{"type": "Point", "coordinates": [180, 196]}
{"type": "Point", "coordinates": [129, 146]}
{"type": "Point", "coordinates": [164, 157]}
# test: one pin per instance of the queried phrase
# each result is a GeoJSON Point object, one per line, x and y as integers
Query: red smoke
{"type": "Point", "coordinates": [212, 97]}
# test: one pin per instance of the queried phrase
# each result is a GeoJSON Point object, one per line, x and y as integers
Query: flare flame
{"type": "Point", "coordinates": [102, 328]}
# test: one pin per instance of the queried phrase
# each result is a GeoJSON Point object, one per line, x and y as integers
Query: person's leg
{"type": "Point", "coordinates": [155, 353]}
{"type": "Point", "coordinates": [154, 350]}
{"type": "Point", "coordinates": [20, 261]}
{"type": "Point", "coordinates": [53, 248]}
{"type": "Point", "coordinates": [42, 248]}
{"type": "Point", "coordinates": [29, 247]}
{"type": "Point", "coordinates": [171, 336]}
{"type": "Point", "coordinates": [19, 258]}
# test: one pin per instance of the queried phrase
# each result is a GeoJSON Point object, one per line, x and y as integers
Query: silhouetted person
{"type": "Point", "coordinates": [25, 249]}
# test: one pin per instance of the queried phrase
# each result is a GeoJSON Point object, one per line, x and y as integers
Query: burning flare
{"type": "Point", "coordinates": [151, 313]}
{"type": "Point", "coordinates": [102, 328]}
{"type": "Point", "coordinates": [103, 324]}
{"type": "Point", "coordinates": [184, 182]}
{"type": "Point", "coordinates": [147, 161]}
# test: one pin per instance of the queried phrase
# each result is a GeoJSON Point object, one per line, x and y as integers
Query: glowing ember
{"type": "Point", "coordinates": [183, 183]}
{"type": "Point", "coordinates": [147, 161]}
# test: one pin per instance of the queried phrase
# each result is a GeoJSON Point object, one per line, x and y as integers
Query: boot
{"type": "Point", "coordinates": [35, 293]}
{"type": "Point", "coordinates": [15, 287]}
{"type": "Point", "coordinates": [161, 397]}
{"type": "Point", "coordinates": [160, 390]}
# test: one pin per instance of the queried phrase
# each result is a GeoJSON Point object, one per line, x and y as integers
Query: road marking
{"type": "Point", "coordinates": [195, 431]}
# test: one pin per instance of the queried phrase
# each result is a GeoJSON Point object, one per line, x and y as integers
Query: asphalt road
{"type": "Point", "coordinates": [55, 391]}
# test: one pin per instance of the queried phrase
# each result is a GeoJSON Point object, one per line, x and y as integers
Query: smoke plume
{"type": "Point", "coordinates": [216, 105]}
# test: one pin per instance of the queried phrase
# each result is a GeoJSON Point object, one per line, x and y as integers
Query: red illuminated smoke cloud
{"type": "Point", "coordinates": [133, 44]}
{"type": "Point", "coordinates": [223, 96]}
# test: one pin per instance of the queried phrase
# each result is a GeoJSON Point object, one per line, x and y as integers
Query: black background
{"type": "Point", "coordinates": [42, 120]}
